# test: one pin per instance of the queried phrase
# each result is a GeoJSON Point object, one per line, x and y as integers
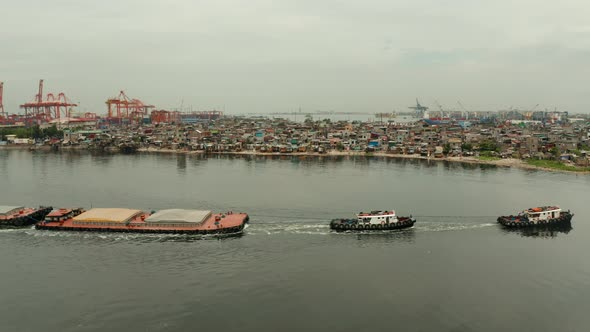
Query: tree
{"type": "Point", "coordinates": [52, 132]}
{"type": "Point", "coordinates": [555, 152]}
{"type": "Point", "coordinates": [466, 147]}
{"type": "Point", "coordinates": [36, 132]}
{"type": "Point", "coordinates": [447, 148]}
{"type": "Point", "coordinates": [488, 146]}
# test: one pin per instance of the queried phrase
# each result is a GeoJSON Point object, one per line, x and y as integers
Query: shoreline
{"type": "Point", "coordinates": [508, 162]}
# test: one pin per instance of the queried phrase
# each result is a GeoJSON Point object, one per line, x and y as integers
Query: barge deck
{"type": "Point", "coordinates": [19, 216]}
{"type": "Point", "coordinates": [173, 221]}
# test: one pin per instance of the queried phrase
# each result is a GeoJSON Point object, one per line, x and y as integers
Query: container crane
{"type": "Point", "coordinates": [529, 113]}
{"type": "Point", "coordinates": [463, 109]}
{"type": "Point", "coordinates": [440, 107]}
{"type": "Point", "coordinates": [418, 109]}
{"type": "Point", "coordinates": [52, 108]}
{"type": "Point", "coordinates": [2, 112]}
{"type": "Point", "coordinates": [122, 107]}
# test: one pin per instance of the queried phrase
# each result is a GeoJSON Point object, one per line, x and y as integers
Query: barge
{"type": "Point", "coordinates": [375, 220]}
{"type": "Point", "coordinates": [19, 216]}
{"type": "Point", "coordinates": [170, 221]}
{"type": "Point", "coordinates": [538, 216]}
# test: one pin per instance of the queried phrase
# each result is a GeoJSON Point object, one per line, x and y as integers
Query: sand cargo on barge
{"type": "Point", "coordinates": [18, 216]}
{"type": "Point", "coordinates": [170, 221]}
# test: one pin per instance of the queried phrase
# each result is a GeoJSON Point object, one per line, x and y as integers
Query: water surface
{"type": "Point", "coordinates": [455, 271]}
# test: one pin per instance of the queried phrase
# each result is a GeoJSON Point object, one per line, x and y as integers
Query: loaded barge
{"type": "Point", "coordinates": [171, 221]}
{"type": "Point", "coordinates": [539, 216]}
{"type": "Point", "coordinates": [18, 216]}
{"type": "Point", "coordinates": [375, 220]}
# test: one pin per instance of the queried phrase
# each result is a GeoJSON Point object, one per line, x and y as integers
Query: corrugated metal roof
{"type": "Point", "coordinates": [107, 215]}
{"type": "Point", "coordinates": [179, 216]}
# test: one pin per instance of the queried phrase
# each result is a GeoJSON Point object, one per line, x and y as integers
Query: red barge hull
{"type": "Point", "coordinates": [220, 223]}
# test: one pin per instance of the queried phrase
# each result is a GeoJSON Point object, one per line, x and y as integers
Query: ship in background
{"type": "Point", "coordinates": [385, 115]}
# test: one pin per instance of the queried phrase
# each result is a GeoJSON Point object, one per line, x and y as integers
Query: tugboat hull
{"type": "Point", "coordinates": [354, 225]}
{"type": "Point", "coordinates": [516, 222]}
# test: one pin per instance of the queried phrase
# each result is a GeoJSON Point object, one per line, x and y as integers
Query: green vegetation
{"type": "Point", "coordinates": [488, 154]}
{"type": "Point", "coordinates": [558, 165]}
{"type": "Point", "coordinates": [488, 157]}
{"type": "Point", "coordinates": [490, 146]}
{"type": "Point", "coordinates": [555, 152]}
{"type": "Point", "coordinates": [466, 147]}
{"type": "Point", "coordinates": [31, 132]}
{"type": "Point", "coordinates": [447, 148]}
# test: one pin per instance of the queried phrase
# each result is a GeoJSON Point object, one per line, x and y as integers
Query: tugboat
{"type": "Point", "coordinates": [18, 216]}
{"type": "Point", "coordinates": [375, 220]}
{"type": "Point", "coordinates": [538, 216]}
{"type": "Point", "coordinates": [172, 221]}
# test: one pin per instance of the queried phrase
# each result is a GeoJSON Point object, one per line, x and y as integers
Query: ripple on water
{"type": "Point", "coordinates": [40, 236]}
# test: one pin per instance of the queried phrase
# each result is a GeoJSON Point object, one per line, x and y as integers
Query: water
{"type": "Point", "coordinates": [365, 117]}
{"type": "Point", "coordinates": [455, 271]}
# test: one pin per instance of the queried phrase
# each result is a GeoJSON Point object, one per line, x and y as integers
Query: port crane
{"type": "Point", "coordinates": [52, 108]}
{"type": "Point", "coordinates": [463, 109]}
{"type": "Point", "coordinates": [122, 107]}
{"type": "Point", "coordinates": [419, 109]}
{"type": "Point", "coordinates": [2, 112]}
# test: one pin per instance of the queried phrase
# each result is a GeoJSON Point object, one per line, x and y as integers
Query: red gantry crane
{"type": "Point", "coordinates": [52, 108]}
{"type": "Point", "coordinates": [122, 107]}
{"type": "Point", "coordinates": [163, 116]}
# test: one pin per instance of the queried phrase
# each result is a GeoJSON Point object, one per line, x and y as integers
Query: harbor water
{"type": "Point", "coordinates": [456, 270]}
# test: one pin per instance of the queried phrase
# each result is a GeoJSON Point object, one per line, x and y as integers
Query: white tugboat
{"type": "Point", "coordinates": [375, 220]}
{"type": "Point", "coordinates": [539, 216]}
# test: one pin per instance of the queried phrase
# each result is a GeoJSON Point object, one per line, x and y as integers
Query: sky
{"type": "Point", "coordinates": [260, 56]}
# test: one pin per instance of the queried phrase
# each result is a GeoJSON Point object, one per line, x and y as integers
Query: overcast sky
{"type": "Point", "coordinates": [279, 55]}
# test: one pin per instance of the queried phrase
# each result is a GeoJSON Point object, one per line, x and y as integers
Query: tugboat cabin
{"type": "Point", "coordinates": [377, 217]}
{"type": "Point", "coordinates": [542, 213]}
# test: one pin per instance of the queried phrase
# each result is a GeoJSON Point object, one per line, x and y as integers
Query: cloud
{"type": "Point", "coordinates": [263, 55]}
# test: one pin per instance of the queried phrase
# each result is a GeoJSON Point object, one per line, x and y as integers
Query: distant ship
{"type": "Point", "coordinates": [437, 121]}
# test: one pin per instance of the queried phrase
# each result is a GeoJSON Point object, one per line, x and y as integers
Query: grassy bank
{"type": "Point", "coordinates": [488, 158]}
{"type": "Point", "coordinates": [557, 165]}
